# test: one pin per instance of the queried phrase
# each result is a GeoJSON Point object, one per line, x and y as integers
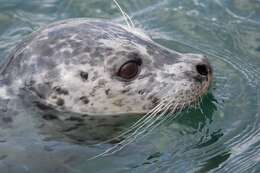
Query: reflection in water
{"type": "Point", "coordinates": [221, 136]}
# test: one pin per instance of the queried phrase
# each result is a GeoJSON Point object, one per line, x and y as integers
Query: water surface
{"type": "Point", "coordinates": [223, 135]}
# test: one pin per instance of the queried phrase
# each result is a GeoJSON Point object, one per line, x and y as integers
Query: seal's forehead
{"type": "Point", "coordinates": [106, 35]}
{"type": "Point", "coordinates": [153, 57]}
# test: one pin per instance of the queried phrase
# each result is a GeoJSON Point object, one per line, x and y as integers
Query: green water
{"type": "Point", "coordinates": [221, 136]}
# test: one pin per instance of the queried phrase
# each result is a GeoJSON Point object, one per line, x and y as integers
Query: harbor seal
{"type": "Point", "coordinates": [98, 68]}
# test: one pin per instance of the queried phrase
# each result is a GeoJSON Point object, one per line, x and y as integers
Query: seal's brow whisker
{"type": "Point", "coordinates": [109, 35]}
{"type": "Point", "coordinates": [125, 15]}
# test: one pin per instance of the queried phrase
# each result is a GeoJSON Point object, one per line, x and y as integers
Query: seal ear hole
{"type": "Point", "coordinates": [130, 69]}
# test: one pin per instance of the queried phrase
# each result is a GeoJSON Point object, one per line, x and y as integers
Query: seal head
{"type": "Point", "coordinates": [100, 68]}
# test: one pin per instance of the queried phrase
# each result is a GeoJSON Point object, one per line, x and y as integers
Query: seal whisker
{"type": "Point", "coordinates": [133, 135]}
{"type": "Point", "coordinates": [171, 118]}
{"type": "Point", "coordinates": [149, 119]}
{"type": "Point", "coordinates": [145, 131]}
{"type": "Point", "coordinates": [169, 115]}
{"type": "Point", "coordinates": [147, 124]}
{"type": "Point", "coordinates": [105, 72]}
{"type": "Point", "coordinates": [125, 15]}
{"type": "Point", "coordinates": [172, 111]}
{"type": "Point", "coordinates": [141, 121]}
{"type": "Point", "coordinates": [152, 121]}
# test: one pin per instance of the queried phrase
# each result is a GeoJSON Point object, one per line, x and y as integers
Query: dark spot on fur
{"type": "Point", "coordinates": [41, 90]}
{"type": "Point", "coordinates": [95, 76]}
{"type": "Point", "coordinates": [155, 100]}
{"type": "Point", "coordinates": [54, 97]}
{"type": "Point", "coordinates": [118, 102]}
{"type": "Point", "coordinates": [108, 51]}
{"type": "Point", "coordinates": [135, 56]}
{"type": "Point", "coordinates": [84, 99]}
{"type": "Point", "coordinates": [74, 44]}
{"type": "Point", "coordinates": [93, 92]}
{"type": "Point", "coordinates": [87, 49]}
{"type": "Point", "coordinates": [187, 92]}
{"type": "Point", "coordinates": [84, 75]}
{"type": "Point", "coordinates": [28, 84]}
{"type": "Point", "coordinates": [142, 76]}
{"type": "Point", "coordinates": [61, 45]}
{"type": "Point", "coordinates": [198, 78]}
{"type": "Point", "coordinates": [60, 102]}
{"type": "Point", "coordinates": [97, 53]}
{"type": "Point", "coordinates": [77, 50]}
{"type": "Point", "coordinates": [102, 82]}
{"type": "Point", "coordinates": [121, 53]}
{"type": "Point", "coordinates": [112, 60]}
{"type": "Point", "coordinates": [49, 117]}
{"type": "Point", "coordinates": [142, 91]}
{"type": "Point", "coordinates": [60, 90]}
{"type": "Point", "coordinates": [125, 90]}
{"type": "Point", "coordinates": [46, 51]}
{"type": "Point", "coordinates": [129, 108]}
{"type": "Point", "coordinates": [107, 91]}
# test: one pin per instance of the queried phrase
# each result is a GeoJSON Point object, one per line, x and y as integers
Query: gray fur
{"type": "Point", "coordinates": [71, 66]}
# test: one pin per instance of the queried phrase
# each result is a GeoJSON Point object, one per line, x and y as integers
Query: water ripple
{"type": "Point", "coordinates": [222, 136]}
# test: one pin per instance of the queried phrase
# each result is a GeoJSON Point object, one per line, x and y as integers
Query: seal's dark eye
{"type": "Point", "coordinates": [129, 70]}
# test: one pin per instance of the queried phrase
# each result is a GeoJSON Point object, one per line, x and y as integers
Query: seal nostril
{"type": "Point", "coordinates": [202, 69]}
